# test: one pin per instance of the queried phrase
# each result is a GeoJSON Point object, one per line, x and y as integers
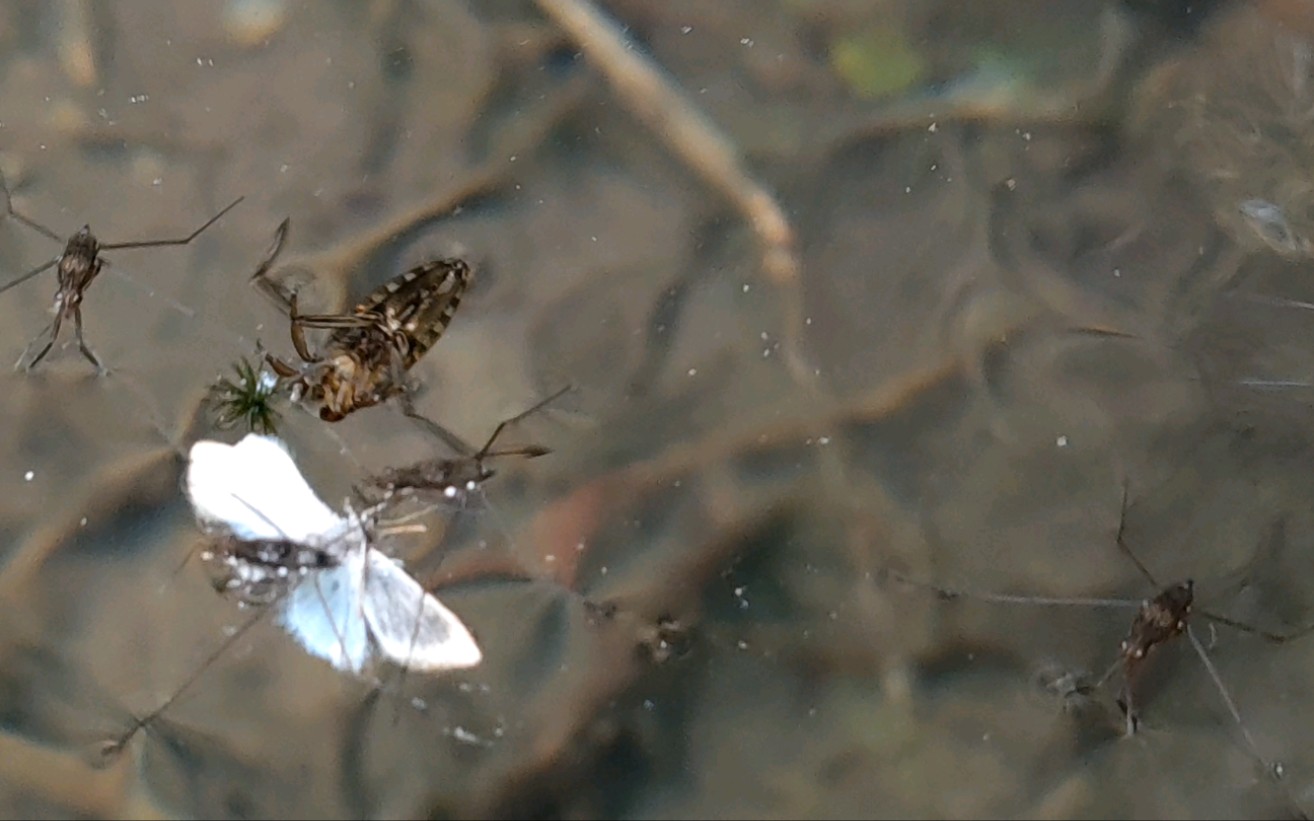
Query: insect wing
{"type": "Point", "coordinates": [421, 301]}
{"type": "Point", "coordinates": [323, 612]}
{"type": "Point", "coordinates": [411, 627]}
{"type": "Point", "coordinates": [254, 489]}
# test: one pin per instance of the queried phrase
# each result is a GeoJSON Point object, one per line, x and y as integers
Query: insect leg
{"type": "Point", "coordinates": [156, 243]}
{"type": "Point", "coordinates": [456, 443]}
{"type": "Point", "coordinates": [30, 223]}
{"type": "Point", "coordinates": [19, 280]}
{"type": "Point", "coordinates": [54, 336]}
{"type": "Point", "coordinates": [531, 450]}
{"type": "Point", "coordinates": [1276, 638]}
{"type": "Point", "coordinates": [298, 332]}
{"type": "Point", "coordinates": [116, 746]}
{"type": "Point", "coordinates": [1122, 542]}
{"type": "Point", "coordinates": [82, 345]}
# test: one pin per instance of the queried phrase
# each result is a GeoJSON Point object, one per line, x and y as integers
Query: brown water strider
{"type": "Point", "coordinates": [369, 350]}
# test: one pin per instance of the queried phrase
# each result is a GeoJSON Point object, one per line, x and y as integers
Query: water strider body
{"type": "Point", "coordinates": [75, 269]}
{"type": "Point", "coordinates": [259, 571]}
{"type": "Point", "coordinates": [1158, 620]}
{"type": "Point", "coordinates": [366, 357]}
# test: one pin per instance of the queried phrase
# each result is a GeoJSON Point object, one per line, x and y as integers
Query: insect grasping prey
{"type": "Point", "coordinates": [76, 268]}
{"type": "Point", "coordinates": [369, 350]}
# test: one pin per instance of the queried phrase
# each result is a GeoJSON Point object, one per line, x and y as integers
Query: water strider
{"type": "Point", "coordinates": [76, 268]}
{"type": "Point", "coordinates": [453, 478]}
{"type": "Point", "coordinates": [366, 357]}
{"type": "Point", "coordinates": [1158, 620]}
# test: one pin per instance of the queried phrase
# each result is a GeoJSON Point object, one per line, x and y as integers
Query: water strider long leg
{"type": "Point", "coordinates": [456, 443]}
{"type": "Point", "coordinates": [278, 295]}
{"type": "Point", "coordinates": [530, 450]}
{"type": "Point", "coordinates": [159, 243]}
{"type": "Point", "coordinates": [1226, 696]}
{"type": "Point", "coordinates": [29, 222]}
{"type": "Point", "coordinates": [1122, 542]}
{"type": "Point", "coordinates": [82, 344]}
{"type": "Point", "coordinates": [463, 448]}
{"type": "Point", "coordinates": [53, 328]}
{"type": "Point", "coordinates": [1269, 635]}
{"type": "Point", "coordinates": [138, 724]}
{"type": "Point", "coordinates": [1011, 598]}
{"type": "Point", "coordinates": [25, 277]}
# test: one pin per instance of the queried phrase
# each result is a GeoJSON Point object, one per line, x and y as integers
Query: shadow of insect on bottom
{"type": "Point", "coordinates": [1158, 620]}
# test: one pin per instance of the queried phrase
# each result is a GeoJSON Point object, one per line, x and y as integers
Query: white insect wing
{"type": "Point", "coordinates": [364, 605]}
{"type": "Point", "coordinates": [410, 627]}
{"type": "Point", "coordinates": [322, 611]}
{"type": "Point", "coordinates": [254, 489]}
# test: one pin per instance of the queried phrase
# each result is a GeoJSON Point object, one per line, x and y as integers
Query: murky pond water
{"type": "Point", "coordinates": [895, 291]}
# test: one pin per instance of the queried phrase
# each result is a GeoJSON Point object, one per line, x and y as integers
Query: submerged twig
{"type": "Point", "coordinates": [650, 96]}
{"type": "Point", "coordinates": [693, 137]}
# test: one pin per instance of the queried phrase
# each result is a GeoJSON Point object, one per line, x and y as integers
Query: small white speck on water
{"type": "Point", "coordinates": [693, 371]}
{"type": "Point", "coordinates": [462, 734]}
{"type": "Point", "coordinates": [746, 287]}
{"type": "Point", "coordinates": [579, 547]}
{"type": "Point", "coordinates": [686, 29]}
{"type": "Point", "coordinates": [741, 644]}
{"type": "Point", "coordinates": [83, 523]}
{"type": "Point", "coordinates": [649, 705]}
{"type": "Point", "coordinates": [29, 476]}
{"type": "Point", "coordinates": [1062, 441]}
